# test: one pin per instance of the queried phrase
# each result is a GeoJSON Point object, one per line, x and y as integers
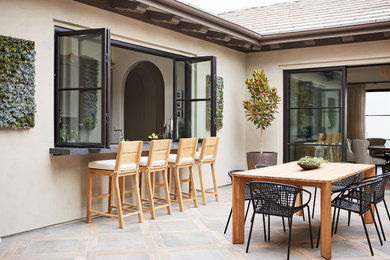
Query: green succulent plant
{"type": "Point", "coordinates": [308, 160]}
{"type": "Point", "coordinates": [17, 89]}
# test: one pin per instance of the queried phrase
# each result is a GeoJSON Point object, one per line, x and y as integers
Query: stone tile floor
{"type": "Point", "coordinates": [196, 233]}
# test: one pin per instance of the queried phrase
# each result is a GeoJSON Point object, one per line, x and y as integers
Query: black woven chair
{"type": "Point", "coordinates": [338, 186]}
{"type": "Point", "coordinates": [247, 198]}
{"type": "Point", "coordinates": [364, 193]}
{"type": "Point", "coordinates": [378, 196]}
{"type": "Point", "coordinates": [258, 166]}
{"type": "Point", "coordinates": [276, 199]}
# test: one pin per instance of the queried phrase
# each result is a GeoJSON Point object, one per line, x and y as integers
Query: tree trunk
{"type": "Point", "coordinates": [261, 140]}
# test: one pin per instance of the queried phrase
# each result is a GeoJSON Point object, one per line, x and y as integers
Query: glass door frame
{"type": "Point", "coordinates": [286, 108]}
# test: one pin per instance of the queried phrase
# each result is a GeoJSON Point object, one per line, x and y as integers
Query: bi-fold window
{"type": "Point", "coordinates": [82, 91]}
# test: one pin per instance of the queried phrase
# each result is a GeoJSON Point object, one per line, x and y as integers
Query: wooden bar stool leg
{"type": "Point", "coordinates": [123, 187]}
{"type": "Point", "coordinates": [89, 196]}
{"type": "Point", "coordinates": [178, 188]}
{"type": "Point", "coordinates": [173, 176]}
{"type": "Point", "coordinates": [166, 189]}
{"type": "Point", "coordinates": [202, 189]}
{"type": "Point", "coordinates": [150, 194]}
{"type": "Point", "coordinates": [192, 181]}
{"type": "Point", "coordinates": [140, 182]}
{"type": "Point", "coordinates": [118, 201]}
{"type": "Point", "coordinates": [110, 192]}
{"type": "Point", "coordinates": [137, 198]}
{"type": "Point", "coordinates": [169, 179]}
{"type": "Point", "coordinates": [153, 177]}
{"type": "Point", "coordinates": [215, 182]}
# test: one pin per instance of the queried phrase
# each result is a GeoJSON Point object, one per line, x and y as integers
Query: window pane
{"type": "Point", "coordinates": [194, 119]}
{"type": "Point", "coordinates": [377, 103]}
{"type": "Point", "coordinates": [378, 126]}
{"type": "Point", "coordinates": [80, 61]}
{"type": "Point", "coordinates": [306, 125]}
{"type": "Point", "coordinates": [330, 153]}
{"type": "Point", "coordinates": [80, 116]}
{"type": "Point", "coordinates": [199, 86]}
{"type": "Point", "coordinates": [316, 89]}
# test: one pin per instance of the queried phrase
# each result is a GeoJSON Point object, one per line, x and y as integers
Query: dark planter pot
{"type": "Point", "coordinates": [267, 158]}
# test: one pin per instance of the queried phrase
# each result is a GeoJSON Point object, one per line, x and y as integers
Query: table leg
{"type": "Point", "coordinates": [367, 216]}
{"type": "Point", "coordinates": [299, 202]}
{"type": "Point", "coordinates": [326, 220]}
{"type": "Point", "coordinates": [238, 208]}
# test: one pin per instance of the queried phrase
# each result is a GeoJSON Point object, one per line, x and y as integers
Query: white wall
{"type": "Point", "coordinates": [38, 189]}
{"type": "Point", "coordinates": [274, 62]}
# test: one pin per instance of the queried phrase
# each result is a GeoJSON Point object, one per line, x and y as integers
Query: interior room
{"type": "Point", "coordinates": [142, 87]}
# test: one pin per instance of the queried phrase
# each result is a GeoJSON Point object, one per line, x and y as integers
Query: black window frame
{"type": "Point", "coordinates": [105, 88]}
{"type": "Point", "coordinates": [133, 47]}
{"type": "Point", "coordinates": [213, 97]}
{"type": "Point", "coordinates": [286, 108]}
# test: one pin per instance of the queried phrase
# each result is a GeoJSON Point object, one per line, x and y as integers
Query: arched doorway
{"type": "Point", "coordinates": [143, 102]}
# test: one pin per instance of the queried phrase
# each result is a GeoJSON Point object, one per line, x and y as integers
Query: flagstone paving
{"type": "Point", "coordinates": [195, 234]}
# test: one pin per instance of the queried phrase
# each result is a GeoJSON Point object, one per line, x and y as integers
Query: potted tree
{"type": "Point", "coordinates": [260, 109]}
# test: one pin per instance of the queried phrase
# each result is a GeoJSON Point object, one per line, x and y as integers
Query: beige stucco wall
{"type": "Point", "coordinates": [274, 62]}
{"type": "Point", "coordinates": [37, 189]}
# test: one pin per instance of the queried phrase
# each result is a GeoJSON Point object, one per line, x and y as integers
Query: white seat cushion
{"type": "Point", "coordinates": [144, 162]}
{"type": "Point", "coordinates": [109, 165]}
{"type": "Point", "coordinates": [206, 157]}
{"type": "Point", "coordinates": [172, 159]}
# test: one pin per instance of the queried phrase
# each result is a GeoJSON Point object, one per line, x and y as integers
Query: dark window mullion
{"type": "Point", "coordinates": [80, 89]}
{"type": "Point", "coordinates": [323, 108]}
{"type": "Point", "coordinates": [193, 99]}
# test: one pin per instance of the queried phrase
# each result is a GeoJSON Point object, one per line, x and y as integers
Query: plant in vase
{"type": "Point", "coordinates": [261, 109]}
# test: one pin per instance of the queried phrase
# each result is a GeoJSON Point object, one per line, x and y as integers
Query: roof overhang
{"type": "Point", "coordinates": [182, 18]}
{"type": "Point", "coordinates": [329, 36]}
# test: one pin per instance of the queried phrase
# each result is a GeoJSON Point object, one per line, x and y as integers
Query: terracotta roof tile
{"type": "Point", "coordinates": [305, 15]}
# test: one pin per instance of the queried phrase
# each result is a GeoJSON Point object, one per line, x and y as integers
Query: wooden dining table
{"type": "Point", "coordinates": [291, 173]}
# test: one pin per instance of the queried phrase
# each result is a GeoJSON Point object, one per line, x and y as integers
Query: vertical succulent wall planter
{"type": "Point", "coordinates": [17, 87]}
{"type": "Point", "coordinates": [219, 97]}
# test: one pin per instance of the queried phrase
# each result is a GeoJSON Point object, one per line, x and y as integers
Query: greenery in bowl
{"type": "Point", "coordinates": [308, 160]}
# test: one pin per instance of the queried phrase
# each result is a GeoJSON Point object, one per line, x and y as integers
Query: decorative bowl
{"type": "Point", "coordinates": [308, 166]}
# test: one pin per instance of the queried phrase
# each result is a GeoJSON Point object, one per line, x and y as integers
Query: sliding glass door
{"type": "Point", "coordinates": [314, 113]}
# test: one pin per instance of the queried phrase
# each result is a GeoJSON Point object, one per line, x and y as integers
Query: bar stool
{"type": "Point", "coordinates": [207, 155]}
{"type": "Point", "coordinates": [157, 161]}
{"type": "Point", "coordinates": [185, 158]}
{"type": "Point", "coordinates": [126, 164]}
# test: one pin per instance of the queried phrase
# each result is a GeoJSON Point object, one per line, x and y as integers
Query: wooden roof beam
{"type": "Point", "coordinates": [193, 27]}
{"type": "Point", "coordinates": [163, 17]}
{"type": "Point", "coordinates": [347, 38]}
{"type": "Point", "coordinates": [128, 5]}
{"type": "Point", "coordinates": [218, 35]}
{"type": "Point", "coordinates": [239, 43]}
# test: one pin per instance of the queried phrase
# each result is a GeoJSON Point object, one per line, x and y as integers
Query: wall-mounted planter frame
{"type": "Point", "coordinates": [17, 83]}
